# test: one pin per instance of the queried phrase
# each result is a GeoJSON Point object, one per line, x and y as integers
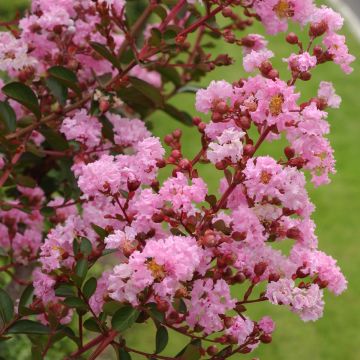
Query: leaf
{"type": "Point", "coordinates": [23, 95]}
{"type": "Point", "coordinates": [91, 325]}
{"type": "Point", "coordinates": [65, 290]}
{"type": "Point", "coordinates": [75, 302]}
{"type": "Point", "coordinates": [7, 116]}
{"type": "Point", "coordinates": [136, 100]}
{"type": "Point", "coordinates": [6, 307]}
{"type": "Point", "coordinates": [55, 139]}
{"type": "Point", "coordinates": [28, 327]}
{"type": "Point", "coordinates": [124, 318]}
{"type": "Point", "coordinates": [26, 298]}
{"type": "Point", "coordinates": [85, 246]}
{"type": "Point", "coordinates": [189, 89]}
{"type": "Point", "coordinates": [124, 355]}
{"type": "Point", "coordinates": [106, 53]}
{"type": "Point", "coordinates": [65, 77]}
{"type": "Point", "coordinates": [58, 90]}
{"type": "Point", "coordinates": [81, 270]}
{"type": "Point", "coordinates": [100, 231]}
{"type": "Point", "coordinates": [89, 287]}
{"type": "Point", "coordinates": [161, 12]}
{"type": "Point", "coordinates": [162, 339]}
{"type": "Point", "coordinates": [150, 91]}
{"type": "Point", "coordinates": [155, 313]}
{"type": "Point", "coordinates": [26, 181]}
{"type": "Point", "coordinates": [169, 74]}
{"type": "Point", "coordinates": [181, 116]}
{"type": "Point", "coordinates": [191, 351]}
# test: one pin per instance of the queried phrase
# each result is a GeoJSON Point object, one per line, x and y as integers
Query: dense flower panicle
{"type": "Point", "coordinates": [83, 128]}
{"type": "Point", "coordinates": [228, 146]}
{"type": "Point", "coordinates": [175, 246]}
{"type": "Point", "coordinates": [255, 59]}
{"type": "Point", "coordinates": [240, 329]}
{"type": "Point", "coordinates": [180, 194]}
{"type": "Point", "coordinates": [307, 302]}
{"type": "Point", "coordinates": [215, 92]}
{"type": "Point", "coordinates": [164, 264]}
{"type": "Point", "coordinates": [327, 93]}
{"type": "Point", "coordinates": [207, 301]}
{"type": "Point", "coordinates": [14, 53]}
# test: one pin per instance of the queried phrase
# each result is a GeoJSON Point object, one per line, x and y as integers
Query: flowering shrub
{"type": "Point", "coordinates": [80, 190]}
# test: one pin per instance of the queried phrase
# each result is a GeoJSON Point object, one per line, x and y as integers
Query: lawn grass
{"type": "Point", "coordinates": [337, 335]}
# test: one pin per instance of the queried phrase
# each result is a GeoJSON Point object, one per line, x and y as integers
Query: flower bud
{"type": "Point", "coordinates": [212, 350]}
{"type": "Point", "coordinates": [289, 152]}
{"type": "Point", "coordinates": [292, 38]}
{"type": "Point", "coordinates": [266, 338]}
{"type": "Point", "coordinates": [260, 268]}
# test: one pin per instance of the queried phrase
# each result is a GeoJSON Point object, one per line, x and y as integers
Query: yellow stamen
{"type": "Point", "coordinates": [276, 104]}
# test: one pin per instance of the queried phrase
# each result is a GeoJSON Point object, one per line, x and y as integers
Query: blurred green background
{"type": "Point", "coordinates": [337, 335]}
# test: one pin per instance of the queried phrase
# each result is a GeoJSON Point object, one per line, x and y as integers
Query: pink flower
{"type": "Point", "coordinates": [228, 146]}
{"type": "Point", "coordinates": [254, 59]}
{"type": "Point", "coordinates": [254, 42]}
{"type": "Point", "coordinates": [340, 53]}
{"type": "Point", "coordinates": [240, 329]}
{"type": "Point", "coordinates": [180, 194]}
{"type": "Point", "coordinates": [163, 263]}
{"type": "Point", "coordinates": [83, 128]}
{"type": "Point", "coordinates": [303, 62]}
{"type": "Point", "coordinates": [207, 301]}
{"type": "Point", "coordinates": [97, 300]}
{"type": "Point", "coordinates": [267, 325]}
{"type": "Point", "coordinates": [306, 302]}
{"type": "Point", "coordinates": [128, 132]}
{"type": "Point", "coordinates": [215, 92]}
{"type": "Point", "coordinates": [120, 238]}
{"type": "Point", "coordinates": [44, 286]}
{"type": "Point", "coordinates": [327, 93]}
{"type": "Point", "coordinates": [275, 13]}
{"type": "Point", "coordinates": [332, 20]}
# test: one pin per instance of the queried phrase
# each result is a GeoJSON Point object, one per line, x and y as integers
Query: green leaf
{"type": "Point", "coordinates": [124, 355]}
{"type": "Point", "coordinates": [91, 325]}
{"type": "Point", "coordinates": [28, 327]}
{"type": "Point", "coordinates": [7, 116]}
{"type": "Point", "coordinates": [6, 307]}
{"type": "Point", "coordinates": [85, 246]}
{"type": "Point", "coordinates": [155, 313]}
{"type": "Point", "coordinates": [23, 95]}
{"type": "Point", "coordinates": [81, 270]}
{"type": "Point", "coordinates": [58, 90]}
{"type": "Point", "coordinates": [161, 12]}
{"type": "Point", "coordinates": [155, 37]}
{"type": "Point", "coordinates": [136, 100]}
{"type": "Point", "coordinates": [65, 77]}
{"type": "Point", "coordinates": [181, 116]}
{"type": "Point", "coordinates": [148, 90]}
{"type": "Point", "coordinates": [162, 339]}
{"type": "Point", "coordinates": [26, 298]}
{"type": "Point", "coordinates": [169, 74]}
{"type": "Point", "coordinates": [65, 290]}
{"type": "Point", "coordinates": [75, 302]}
{"type": "Point", "coordinates": [26, 181]}
{"type": "Point", "coordinates": [189, 89]}
{"type": "Point", "coordinates": [89, 287]}
{"type": "Point", "coordinates": [100, 231]}
{"type": "Point", "coordinates": [55, 139]}
{"type": "Point", "coordinates": [190, 351]}
{"type": "Point", "coordinates": [124, 318]}
{"type": "Point", "coordinates": [111, 307]}
{"type": "Point", "coordinates": [107, 128]}
{"type": "Point", "coordinates": [105, 53]}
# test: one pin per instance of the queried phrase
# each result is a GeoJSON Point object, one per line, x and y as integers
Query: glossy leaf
{"type": "Point", "coordinates": [6, 307]}
{"type": "Point", "coordinates": [55, 139]}
{"type": "Point", "coordinates": [148, 90]}
{"type": "Point", "coordinates": [162, 339]}
{"type": "Point", "coordinates": [81, 269]}
{"type": "Point", "coordinates": [65, 290]}
{"type": "Point", "coordinates": [106, 53]}
{"type": "Point", "coordinates": [23, 95]}
{"type": "Point", "coordinates": [28, 327]}
{"type": "Point", "coordinates": [26, 298]}
{"type": "Point", "coordinates": [124, 355]}
{"type": "Point", "coordinates": [124, 318]}
{"type": "Point", "coordinates": [75, 302]}
{"type": "Point", "coordinates": [89, 287]}
{"type": "Point", "coordinates": [57, 89]}
{"type": "Point", "coordinates": [65, 77]}
{"type": "Point", "coordinates": [178, 115]}
{"type": "Point", "coordinates": [85, 246]}
{"type": "Point", "coordinates": [7, 116]}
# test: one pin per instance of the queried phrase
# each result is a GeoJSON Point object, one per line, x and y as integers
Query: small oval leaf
{"type": "Point", "coordinates": [162, 339]}
{"type": "Point", "coordinates": [7, 116]}
{"type": "Point", "coordinates": [23, 95]}
{"type": "Point", "coordinates": [124, 318]}
{"type": "Point", "coordinates": [28, 327]}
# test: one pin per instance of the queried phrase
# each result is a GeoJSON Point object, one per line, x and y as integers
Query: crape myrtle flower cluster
{"type": "Point", "coordinates": [80, 174]}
